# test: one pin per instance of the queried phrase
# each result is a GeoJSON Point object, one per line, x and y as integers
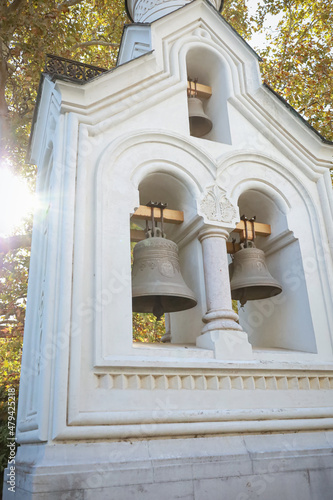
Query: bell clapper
{"type": "Point", "coordinates": [158, 310]}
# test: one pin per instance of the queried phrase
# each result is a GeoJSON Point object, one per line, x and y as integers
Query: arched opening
{"type": "Point", "coordinates": [181, 327]}
{"type": "Point", "coordinates": [284, 321]}
{"type": "Point", "coordinates": [207, 67]}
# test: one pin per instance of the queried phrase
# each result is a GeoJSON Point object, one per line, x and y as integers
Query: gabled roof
{"type": "Point", "coordinates": [60, 77]}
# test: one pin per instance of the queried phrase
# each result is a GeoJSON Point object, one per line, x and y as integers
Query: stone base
{"type": "Point", "coordinates": [226, 344]}
{"type": "Point", "coordinates": [297, 466]}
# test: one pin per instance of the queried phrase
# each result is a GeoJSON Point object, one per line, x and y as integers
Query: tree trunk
{"type": "Point", "coordinates": [3, 105]}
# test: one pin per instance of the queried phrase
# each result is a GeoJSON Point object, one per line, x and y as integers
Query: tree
{"type": "Point", "coordinates": [298, 62]}
{"type": "Point", "coordinates": [85, 30]}
{"type": "Point", "coordinates": [79, 29]}
{"type": "Point", "coordinates": [236, 13]}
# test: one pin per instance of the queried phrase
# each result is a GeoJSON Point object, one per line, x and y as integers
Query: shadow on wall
{"type": "Point", "coordinates": [283, 321]}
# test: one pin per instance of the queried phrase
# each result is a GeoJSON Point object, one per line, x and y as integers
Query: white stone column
{"type": "Point", "coordinates": [221, 332]}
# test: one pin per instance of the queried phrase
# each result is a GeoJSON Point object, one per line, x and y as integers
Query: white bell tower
{"type": "Point", "coordinates": [236, 404]}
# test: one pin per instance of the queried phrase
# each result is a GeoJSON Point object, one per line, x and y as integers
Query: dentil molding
{"type": "Point", "coordinates": [136, 380]}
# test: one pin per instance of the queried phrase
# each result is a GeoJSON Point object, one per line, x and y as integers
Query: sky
{"type": "Point", "coordinates": [258, 40]}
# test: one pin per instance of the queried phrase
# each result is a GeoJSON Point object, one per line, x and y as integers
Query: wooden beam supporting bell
{"type": "Point", "coordinates": [201, 91]}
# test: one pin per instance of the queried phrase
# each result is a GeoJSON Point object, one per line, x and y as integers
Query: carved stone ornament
{"type": "Point", "coordinates": [151, 10]}
{"type": "Point", "coordinates": [216, 207]}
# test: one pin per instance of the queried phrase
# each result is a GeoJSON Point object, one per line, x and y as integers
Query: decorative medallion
{"type": "Point", "coordinates": [216, 206]}
{"type": "Point", "coordinates": [167, 269]}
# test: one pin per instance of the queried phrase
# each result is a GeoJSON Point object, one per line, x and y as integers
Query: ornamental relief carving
{"type": "Point", "coordinates": [143, 6]}
{"type": "Point", "coordinates": [189, 381]}
{"type": "Point", "coordinates": [164, 267]}
{"type": "Point", "coordinates": [216, 207]}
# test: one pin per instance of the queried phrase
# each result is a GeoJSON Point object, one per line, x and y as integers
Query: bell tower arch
{"type": "Point", "coordinates": [206, 66]}
{"type": "Point", "coordinates": [293, 253]}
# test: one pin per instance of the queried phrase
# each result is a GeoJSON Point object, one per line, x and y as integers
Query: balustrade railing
{"type": "Point", "coordinates": [72, 70]}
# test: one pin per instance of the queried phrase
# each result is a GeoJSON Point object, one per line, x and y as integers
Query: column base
{"type": "Point", "coordinates": [226, 344]}
{"type": "Point", "coordinates": [221, 319]}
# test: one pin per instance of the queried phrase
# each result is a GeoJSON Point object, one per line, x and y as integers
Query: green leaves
{"type": "Point", "coordinates": [298, 62]}
{"type": "Point", "coordinates": [13, 292]}
{"type": "Point", "coordinates": [48, 27]}
{"type": "Point", "coordinates": [236, 13]}
{"type": "Point", "coordinates": [10, 362]}
{"type": "Point", "coordinates": [146, 328]}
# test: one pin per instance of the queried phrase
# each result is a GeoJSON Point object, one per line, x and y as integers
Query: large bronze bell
{"type": "Point", "coordinates": [157, 283]}
{"type": "Point", "coordinates": [200, 123]}
{"type": "Point", "coordinates": [250, 277]}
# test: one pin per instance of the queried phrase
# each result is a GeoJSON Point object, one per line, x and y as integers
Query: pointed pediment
{"type": "Point", "coordinates": [148, 87]}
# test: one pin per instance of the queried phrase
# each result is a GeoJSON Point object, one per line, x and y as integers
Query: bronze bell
{"type": "Point", "coordinates": [200, 123]}
{"type": "Point", "coordinates": [250, 277]}
{"type": "Point", "coordinates": [157, 283]}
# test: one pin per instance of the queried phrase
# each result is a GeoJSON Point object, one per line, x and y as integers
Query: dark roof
{"type": "Point", "coordinates": [297, 114]}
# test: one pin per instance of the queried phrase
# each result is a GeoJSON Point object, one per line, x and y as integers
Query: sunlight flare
{"type": "Point", "coordinates": [16, 201]}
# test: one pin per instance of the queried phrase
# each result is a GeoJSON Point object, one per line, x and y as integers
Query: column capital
{"type": "Point", "coordinates": [213, 232]}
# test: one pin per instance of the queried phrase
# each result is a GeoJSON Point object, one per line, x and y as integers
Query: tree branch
{"type": "Point", "coordinates": [94, 42]}
{"type": "Point", "coordinates": [313, 102]}
{"type": "Point", "coordinates": [68, 3]}
{"type": "Point", "coordinates": [15, 5]}
{"type": "Point", "coordinates": [4, 127]}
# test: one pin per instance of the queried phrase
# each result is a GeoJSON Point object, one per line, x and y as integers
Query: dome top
{"type": "Point", "coordinates": [147, 11]}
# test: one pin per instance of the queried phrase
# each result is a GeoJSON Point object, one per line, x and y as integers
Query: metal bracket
{"type": "Point", "coordinates": [154, 227]}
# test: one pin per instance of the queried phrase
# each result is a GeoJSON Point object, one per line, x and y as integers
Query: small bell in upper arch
{"type": "Point", "coordinates": [200, 123]}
